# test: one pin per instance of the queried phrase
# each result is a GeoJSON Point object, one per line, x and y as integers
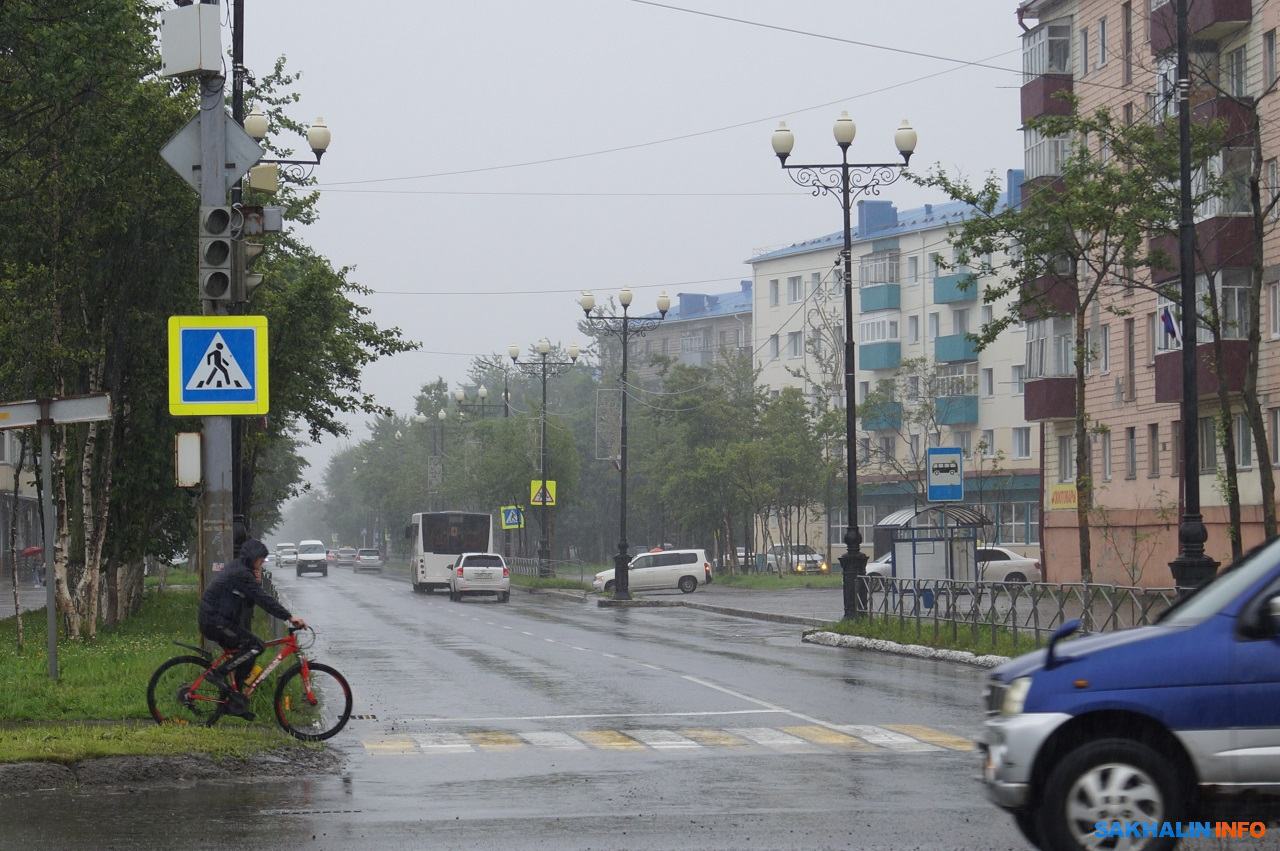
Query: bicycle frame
{"type": "Point", "coordinates": [290, 648]}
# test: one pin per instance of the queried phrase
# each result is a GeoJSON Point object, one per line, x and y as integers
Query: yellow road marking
{"type": "Point", "coordinates": [608, 740]}
{"type": "Point", "coordinates": [829, 737]}
{"type": "Point", "coordinates": [715, 738]}
{"type": "Point", "coordinates": [932, 736]}
{"type": "Point", "coordinates": [495, 740]}
{"type": "Point", "coordinates": [391, 746]}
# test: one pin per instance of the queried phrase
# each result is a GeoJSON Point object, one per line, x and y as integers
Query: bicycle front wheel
{"type": "Point", "coordinates": [171, 700]}
{"type": "Point", "coordinates": [313, 706]}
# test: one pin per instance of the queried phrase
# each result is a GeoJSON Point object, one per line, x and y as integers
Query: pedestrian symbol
{"type": "Point", "coordinates": [542, 492]}
{"type": "Point", "coordinates": [217, 365]}
{"type": "Point", "coordinates": [223, 370]}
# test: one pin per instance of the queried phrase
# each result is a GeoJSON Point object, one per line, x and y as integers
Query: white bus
{"type": "Point", "coordinates": [439, 537]}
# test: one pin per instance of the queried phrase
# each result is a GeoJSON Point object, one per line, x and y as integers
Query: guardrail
{"type": "Point", "coordinates": [1019, 609]}
{"type": "Point", "coordinates": [530, 567]}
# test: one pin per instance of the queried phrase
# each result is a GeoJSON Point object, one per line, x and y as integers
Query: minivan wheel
{"type": "Point", "coordinates": [1108, 780]}
{"type": "Point", "coordinates": [608, 588]}
{"type": "Point", "coordinates": [688, 584]}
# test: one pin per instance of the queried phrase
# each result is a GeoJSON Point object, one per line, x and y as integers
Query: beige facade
{"type": "Point", "coordinates": [1120, 55]}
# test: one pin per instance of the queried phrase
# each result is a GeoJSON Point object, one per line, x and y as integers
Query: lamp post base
{"type": "Point", "coordinates": [1192, 571]}
{"type": "Point", "coordinates": [544, 559]}
{"type": "Point", "coordinates": [853, 570]}
{"type": "Point", "coordinates": [621, 587]}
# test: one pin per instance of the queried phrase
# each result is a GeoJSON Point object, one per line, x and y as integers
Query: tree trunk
{"type": "Point", "coordinates": [1253, 410]}
{"type": "Point", "coordinates": [1083, 471]}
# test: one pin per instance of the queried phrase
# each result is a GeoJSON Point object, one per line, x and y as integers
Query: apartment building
{"type": "Point", "coordinates": [914, 358]}
{"type": "Point", "coordinates": [700, 330]}
{"type": "Point", "coordinates": [1121, 55]}
{"type": "Point", "coordinates": [22, 511]}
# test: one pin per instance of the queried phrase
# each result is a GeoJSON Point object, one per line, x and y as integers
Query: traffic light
{"type": "Point", "coordinates": [215, 253]}
{"type": "Point", "coordinates": [252, 223]}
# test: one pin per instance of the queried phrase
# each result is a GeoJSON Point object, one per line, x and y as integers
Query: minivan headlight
{"type": "Point", "coordinates": [1015, 696]}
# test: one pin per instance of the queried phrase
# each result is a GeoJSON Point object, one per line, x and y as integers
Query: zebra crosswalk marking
{"type": "Point", "coordinates": [662, 739]}
{"type": "Point", "coordinates": [392, 746]}
{"type": "Point", "coordinates": [932, 736]}
{"type": "Point", "coordinates": [713, 738]}
{"type": "Point", "coordinates": [772, 738]}
{"type": "Point", "coordinates": [608, 740]}
{"type": "Point", "coordinates": [827, 736]}
{"type": "Point", "coordinates": [496, 740]}
{"type": "Point", "coordinates": [883, 738]}
{"type": "Point", "coordinates": [548, 739]}
{"type": "Point", "coordinates": [443, 742]}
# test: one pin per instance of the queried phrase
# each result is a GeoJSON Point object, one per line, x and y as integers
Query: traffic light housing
{"type": "Point", "coordinates": [215, 252]}
{"type": "Point", "coordinates": [252, 223]}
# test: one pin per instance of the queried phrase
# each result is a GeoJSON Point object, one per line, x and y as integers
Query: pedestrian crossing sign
{"type": "Point", "coordinates": [512, 517]}
{"type": "Point", "coordinates": [542, 492]}
{"type": "Point", "coordinates": [218, 365]}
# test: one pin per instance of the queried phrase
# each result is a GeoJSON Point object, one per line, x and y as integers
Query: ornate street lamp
{"type": "Point", "coordinates": [846, 181]}
{"type": "Point", "coordinates": [460, 397]}
{"type": "Point", "coordinates": [624, 326]}
{"type": "Point", "coordinates": [543, 368]}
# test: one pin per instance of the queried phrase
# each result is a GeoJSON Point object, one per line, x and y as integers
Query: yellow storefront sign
{"type": "Point", "coordinates": [1062, 497]}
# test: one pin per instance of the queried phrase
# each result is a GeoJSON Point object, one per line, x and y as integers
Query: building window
{"type": "Point", "coordinates": [1104, 348]}
{"type": "Point", "coordinates": [864, 389]}
{"type": "Point", "coordinates": [1273, 305]}
{"type": "Point", "coordinates": [988, 443]}
{"type": "Point", "coordinates": [1047, 50]}
{"type": "Point", "coordinates": [988, 315]}
{"type": "Point", "coordinates": [883, 329]}
{"type": "Point", "coordinates": [988, 382]}
{"type": "Point", "coordinates": [880, 267]}
{"type": "Point", "coordinates": [1066, 459]}
{"type": "Point", "coordinates": [888, 449]}
{"type": "Point", "coordinates": [1268, 59]}
{"type": "Point", "coordinates": [1130, 360]}
{"type": "Point", "coordinates": [815, 283]}
{"type": "Point", "coordinates": [1022, 442]}
{"type": "Point", "coordinates": [773, 293]}
{"type": "Point", "coordinates": [1106, 456]}
{"type": "Point", "coordinates": [1244, 446]}
{"type": "Point", "coordinates": [913, 387]}
{"type": "Point", "coordinates": [1237, 73]}
{"type": "Point", "coordinates": [1131, 452]}
{"type": "Point", "coordinates": [795, 290]}
{"type": "Point", "coordinates": [1043, 155]}
{"type": "Point", "coordinates": [1102, 42]}
{"type": "Point", "coordinates": [1175, 429]}
{"type": "Point", "coordinates": [1233, 309]}
{"type": "Point", "coordinates": [1166, 324]}
{"type": "Point", "coordinates": [1273, 415]}
{"type": "Point", "coordinates": [1051, 347]}
{"type": "Point", "coordinates": [795, 344]}
{"type": "Point", "coordinates": [960, 321]}
{"type": "Point", "coordinates": [1084, 51]}
{"type": "Point", "coordinates": [1126, 20]}
{"type": "Point", "coordinates": [913, 329]}
{"type": "Point", "coordinates": [934, 326]}
{"type": "Point", "coordinates": [1153, 449]}
{"type": "Point", "coordinates": [963, 440]}
{"type": "Point", "coordinates": [913, 442]}
{"type": "Point", "coordinates": [773, 346]}
{"type": "Point", "coordinates": [1018, 377]}
{"type": "Point", "coordinates": [1208, 445]}
{"type": "Point", "coordinates": [913, 269]}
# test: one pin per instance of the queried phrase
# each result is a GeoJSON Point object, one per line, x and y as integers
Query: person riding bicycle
{"type": "Point", "coordinates": [227, 606]}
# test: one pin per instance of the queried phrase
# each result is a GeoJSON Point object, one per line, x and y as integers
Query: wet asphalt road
{"type": "Point", "coordinates": [549, 722]}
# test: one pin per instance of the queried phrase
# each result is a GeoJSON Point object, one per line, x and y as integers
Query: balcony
{"type": "Point", "coordinates": [954, 348]}
{"type": "Point", "coordinates": [1038, 96]}
{"type": "Point", "coordinates": [956, 410]}
{"type": "Point", "coordinates": [703, 358]}
{"type": "Point", "coordinates": [1207, 21]}
{"type": "Point", "coordinates": [948, 289]}
{"type": "Point", "coordinates": [872, 297]}
{"type": "Point", "coordinates": [1225, 241]}
{"type": "Point", "coordinates": [1235, 360]}
{"type": "Point", "coordinates": [1049, 295]}
{"type": "Point", "coordinates": [1051, 398]}
{"type": "Point", "coordinates": [1223, 108]}
{"type": "Point", "coordinates": [884, 355]}
{"type": "Point", "coordinates": [883, 415]}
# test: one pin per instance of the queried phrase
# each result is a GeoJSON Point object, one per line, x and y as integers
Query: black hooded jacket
{"type": "Point", "coordinates": [234, 590]}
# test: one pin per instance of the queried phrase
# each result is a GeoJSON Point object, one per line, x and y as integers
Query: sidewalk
{"type": "Point", "coordinates": [30, 596]}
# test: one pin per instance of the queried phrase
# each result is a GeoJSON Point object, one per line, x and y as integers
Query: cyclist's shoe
{"type": "Point", "coordinates": [238, 705]}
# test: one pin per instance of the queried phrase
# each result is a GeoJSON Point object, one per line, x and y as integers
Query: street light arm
{"type": "Point", "coordinates": [864, 178]}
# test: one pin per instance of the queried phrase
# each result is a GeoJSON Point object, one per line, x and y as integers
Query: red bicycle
{"type": "Point", "coordinates": [312, 700]}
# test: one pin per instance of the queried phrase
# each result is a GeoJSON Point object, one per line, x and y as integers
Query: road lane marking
{"type": "Point", "coordinates": [827, 736]}
{"type": "Point", "coordinates": [610, 740]}
{"type": "Point", "coordinates": [934, 737]}
{"type": "Point", "coordinates": [883, 738]}
{"type": "Point", "coordinates": [662, 739]}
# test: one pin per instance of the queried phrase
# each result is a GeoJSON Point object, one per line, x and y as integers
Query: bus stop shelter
{"type": "Point", "coordinates": [936, 541]}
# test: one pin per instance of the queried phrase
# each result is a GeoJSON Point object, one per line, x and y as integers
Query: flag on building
{"type": "Point", "coordinates": [1170, 325]}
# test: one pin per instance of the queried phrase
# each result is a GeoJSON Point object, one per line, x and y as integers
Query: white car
{"type": "Point", "coordinates": [480, 573]}
{"type": "Point", "coordinates": [367, 559]}
{"type": "Point", "coordinates": [795, 558]}
{"type": "Point", "coordinates": [995, 564]}
{"type": "Point", "coordinates": [668, 569]}
{"type": "Point", "coordinates": [287, 554]}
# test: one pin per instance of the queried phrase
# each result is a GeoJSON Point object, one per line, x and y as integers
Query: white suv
{"type": "Point", "coordinates": [795, 558]}
{"type": "Point", "coordinates": [683, 569]}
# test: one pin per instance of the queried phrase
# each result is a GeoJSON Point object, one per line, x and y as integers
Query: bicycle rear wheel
{"type": "Point", "coordinates": [313, 707]}
{"type": "Point", "coordinates": [171, 700]}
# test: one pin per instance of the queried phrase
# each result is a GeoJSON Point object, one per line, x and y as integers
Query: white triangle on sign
{"type": "Point", "coordinates": [218, 369]}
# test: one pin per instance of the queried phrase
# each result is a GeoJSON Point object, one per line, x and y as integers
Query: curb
{"type": "Point", "coordinates": [831, 639]}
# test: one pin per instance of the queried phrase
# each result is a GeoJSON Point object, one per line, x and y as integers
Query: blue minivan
{"type": "Point", "coordinates": [1170, 724]}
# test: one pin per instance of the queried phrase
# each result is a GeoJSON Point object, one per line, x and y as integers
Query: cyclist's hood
{"type": "Point", "coordinates": [252, 550]}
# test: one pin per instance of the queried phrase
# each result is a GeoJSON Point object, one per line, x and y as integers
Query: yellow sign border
{"type": "Point", "coordinates": [215, 409]}
{"type": "Point", "coordinates": [551, 492]}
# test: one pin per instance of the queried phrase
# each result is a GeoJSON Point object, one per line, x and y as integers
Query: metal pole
{"type": "Point", "coordinates": [50, 533]}
{"type": "Point", "coordinates": [1192, 568]}
{"type": "Point", "coordinates": [544, 545]}
{"type": "Point", "coordinates": [621, 561]}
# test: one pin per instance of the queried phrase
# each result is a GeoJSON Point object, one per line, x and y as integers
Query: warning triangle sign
{"type": "Point", "coordinates": [219, 369]}
{"type": "Point", "coordinates": [542, 493]}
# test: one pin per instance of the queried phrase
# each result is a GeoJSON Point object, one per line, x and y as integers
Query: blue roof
{"type": "Point", "coordinates": [908, 221]}
{"type": "Point", "coordinates": [701, 306]}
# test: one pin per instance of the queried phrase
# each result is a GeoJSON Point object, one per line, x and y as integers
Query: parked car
{"type": "Point", "coordinates": [667, 569]}
{"type": "Point", "coordinates": [368, 559]}
{"type": "Point", "coordinates": [795, 558]}
{"type": "Point", "coordinates": [312, 558]}
{"type": "Point", "coordinates": [287, 554]}
{"type": "Point", "coordinates": [347, 557]}
{"type": "Point", "coordinates": [995, 564]}
{"type": "Point", "coordinates": [1176, 723]}
{"type": "Point", "coordinates": [480, 573]}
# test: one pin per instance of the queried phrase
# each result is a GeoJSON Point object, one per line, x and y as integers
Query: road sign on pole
{"type": "Point", "coordinates": [542, 492]}
{"type": "Point", "coordinates": [512, 517]}
{"type": "Point", "coordinates": [944, 473]}
{"type": "Point", "coordinates": [218, 365]}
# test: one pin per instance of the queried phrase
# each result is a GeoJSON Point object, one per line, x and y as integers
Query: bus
{"type": "Point", "coordinates": [439, 537]}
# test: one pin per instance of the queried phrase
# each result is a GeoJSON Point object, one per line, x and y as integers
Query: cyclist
{"type": "Point", "coordinates": [226, 606]}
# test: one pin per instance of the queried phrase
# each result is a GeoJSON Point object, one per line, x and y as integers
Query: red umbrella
{"type": "Point", "coordinates": [31, 551]}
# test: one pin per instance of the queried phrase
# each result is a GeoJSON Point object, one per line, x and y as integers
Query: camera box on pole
{"type": "Point", "coordinates": [191, 40]}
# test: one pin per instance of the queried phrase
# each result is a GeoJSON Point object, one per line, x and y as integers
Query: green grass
{"type": "Point", "coordinates": [173, 576]}
{"type": "Point", "coordinates": [907, 633]}
{"type": "Point", "coordinates": [98, 706]}
{"type": "Point", "coordinates": [774, 582]}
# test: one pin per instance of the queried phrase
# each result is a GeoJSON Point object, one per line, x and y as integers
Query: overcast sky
{"type": "Point", "coordinates": [491, 159]}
